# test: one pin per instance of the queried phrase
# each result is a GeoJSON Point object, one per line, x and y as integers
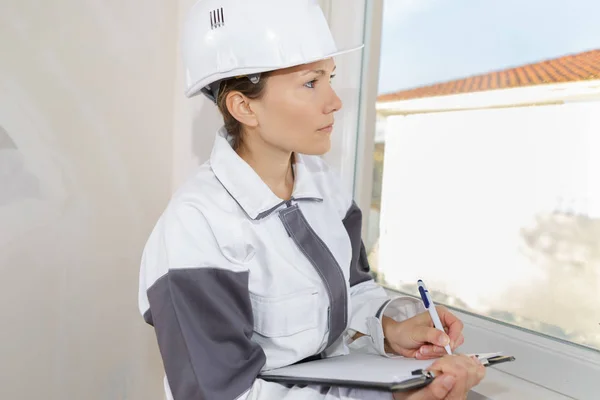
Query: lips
{"type": "Point", "coordinates": [326, 128]}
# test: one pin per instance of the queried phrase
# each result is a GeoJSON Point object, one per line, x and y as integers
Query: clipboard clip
{"type": "Point", "coordinates": [497, 360]}
{"type": "Point", "coordinates": [421, 372]}
{"type": "Point", "coordinates": [485, 361]}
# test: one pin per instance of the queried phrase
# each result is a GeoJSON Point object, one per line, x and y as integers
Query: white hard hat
{"type": "Point", "coordinates": [231, 38]}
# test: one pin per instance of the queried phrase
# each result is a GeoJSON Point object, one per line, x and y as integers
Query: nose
{"type": "Point", "coordinates": [334, 103]}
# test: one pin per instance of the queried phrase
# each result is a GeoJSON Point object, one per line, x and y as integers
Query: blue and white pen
{"type": "Point", "coordinates": [428, 303]}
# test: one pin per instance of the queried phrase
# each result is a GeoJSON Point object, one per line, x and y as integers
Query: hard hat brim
{"type": "Point", "coordinates": [195, 89]}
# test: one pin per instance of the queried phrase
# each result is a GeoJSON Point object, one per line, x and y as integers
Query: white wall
{"type": "Point", "coordinates": [196, 120]}
{"type": "Point", "coordinates": [95, 134]}
{"type": "Point", "coordinates": [86, 110]}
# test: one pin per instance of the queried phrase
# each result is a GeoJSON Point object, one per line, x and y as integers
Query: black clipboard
{"type": "Point", "coordinates": [352, 370]}
{"type": "Point", "coordinates": [412, 383]}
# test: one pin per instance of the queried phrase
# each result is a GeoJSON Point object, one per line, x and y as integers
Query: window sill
{"type": "Point", "coordinates": [499, 385]}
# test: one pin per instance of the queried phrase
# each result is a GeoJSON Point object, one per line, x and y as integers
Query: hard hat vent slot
{"type": "Point", "coordinates": [217, 19]}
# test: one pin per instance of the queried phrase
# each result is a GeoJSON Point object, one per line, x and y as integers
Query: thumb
{"type": "Point", "coordinates": [438, 389]}
{"type": "Point", "coordinates": [426, 334]}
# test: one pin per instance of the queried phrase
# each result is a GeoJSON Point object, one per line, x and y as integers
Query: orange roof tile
{"type": "Point", "coordinates": [569, 68]}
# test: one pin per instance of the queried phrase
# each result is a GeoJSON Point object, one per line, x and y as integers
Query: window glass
{"type": "Point", "coordinates": [486, 179]}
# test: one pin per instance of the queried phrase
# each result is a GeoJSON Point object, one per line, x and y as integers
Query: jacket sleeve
{"type": "Point", "coordinates": [369, 300]}
{"type": "Point", "coordinates": [198, 302]}
{"type": "Point", "coordinates": [199, 305]}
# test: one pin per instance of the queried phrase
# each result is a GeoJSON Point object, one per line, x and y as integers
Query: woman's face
{"type": "Point", "coordinates": [295, 113]}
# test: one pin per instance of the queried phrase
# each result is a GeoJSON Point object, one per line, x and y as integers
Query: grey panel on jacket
{"type": "Point", "coordinates": [203, 322]}
{"type": "Point", "coordinates": [326, 265]}
{"type": "Point", "coordinates": [359, 266]}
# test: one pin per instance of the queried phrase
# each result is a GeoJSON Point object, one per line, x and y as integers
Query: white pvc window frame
{"type": "Point", "coordinates": [556, 366]}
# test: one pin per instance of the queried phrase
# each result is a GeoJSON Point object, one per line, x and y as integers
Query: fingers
{"type": "Point", "coordinates": [439, 388]}
{"type": "Point", "coordinates": [427, 334]}
{"type": "Point", "coordinates": [474, 374]}
{"type": "Point", "coordinates": [427, 352]}
{"type": "Point", "coordinates": [457, 343]}
{"type": "Point", "coordinates": [436, 390]}
{"type": "Point", "coordinates": [417, 337]}
{"type": "Point", "coordinates": [467, 371]}
{"type": "Point", "coordinates": [453, 325]}
{"type": "Point", "coordinates": [480, 370]}
{"type": "Point", "coordinates": [459, 391]}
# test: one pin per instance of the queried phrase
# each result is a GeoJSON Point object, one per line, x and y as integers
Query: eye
{"type": "Point", "coordinates": [311, 84]}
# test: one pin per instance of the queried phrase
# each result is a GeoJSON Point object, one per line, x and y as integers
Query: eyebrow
{"type": "Point", "coordinates": [320, 72]}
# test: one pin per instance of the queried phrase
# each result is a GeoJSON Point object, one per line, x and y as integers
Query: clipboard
{"type": "Point", "coordinates": [366, 371]}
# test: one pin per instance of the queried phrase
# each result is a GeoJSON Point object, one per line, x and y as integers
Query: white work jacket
{"type": "Point", "coordinates": [235, 281]}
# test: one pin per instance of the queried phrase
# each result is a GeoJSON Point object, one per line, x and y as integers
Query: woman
{"type": "Point", "coordinates": [257, 262]}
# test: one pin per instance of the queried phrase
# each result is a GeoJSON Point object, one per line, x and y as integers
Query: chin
{"type": "Point", "coordinates": [316, 149]}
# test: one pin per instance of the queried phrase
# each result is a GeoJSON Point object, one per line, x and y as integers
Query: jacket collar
{"type": "Point", "coordinates": [247, 188]}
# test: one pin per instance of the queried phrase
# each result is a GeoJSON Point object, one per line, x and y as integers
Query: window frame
{"type": "Point", "coordinates": [533, 351]}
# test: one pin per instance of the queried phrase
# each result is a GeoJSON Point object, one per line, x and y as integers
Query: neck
{"type": "Point", "coordinates": [273, 165]}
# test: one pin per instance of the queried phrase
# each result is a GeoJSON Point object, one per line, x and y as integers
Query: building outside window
{"type": "Point", "coordinates": [486, 164]}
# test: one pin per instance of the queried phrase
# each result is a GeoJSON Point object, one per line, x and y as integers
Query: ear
{"type": "Point", "coordinates": [239, 107]}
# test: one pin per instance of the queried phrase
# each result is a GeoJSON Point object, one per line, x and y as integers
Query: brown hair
{"type": "Point", "coordinates": [248, 89]}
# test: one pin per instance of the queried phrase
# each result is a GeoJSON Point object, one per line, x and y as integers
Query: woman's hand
{"type": "Point", "coordinates": [454, 377]}
{"type": "Point", "coordinates": [416, 337]}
